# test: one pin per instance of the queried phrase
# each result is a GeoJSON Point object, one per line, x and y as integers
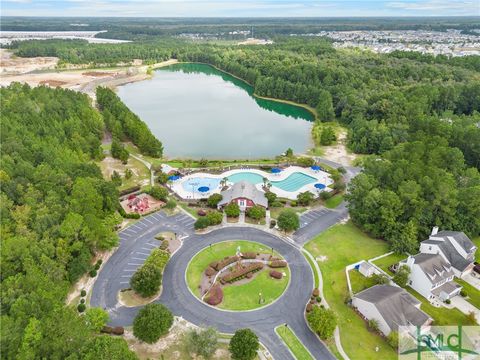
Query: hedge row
{"type": "Point", "coordinates": [219, 265]}
{"type": "Point", "coordinates": [276, 274]}
{"type": "Point", "coordinates": [278, 264]}
{"type": "Point", "coordinates": [249, 255]}
{"type": "Point", "coordinates": [214, 296]}
{"type": "Point", "coordinates": [241, 272]}
{"type": "Point", "coordinates": [210, 271]}
{"type": "Point", "coordinates": [117, 330]}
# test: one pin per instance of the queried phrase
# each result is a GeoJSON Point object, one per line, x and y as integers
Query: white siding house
{"type": "Point", "coordinates": [391, 306]}
{"type": "Point", "coordinates": [454, 247]}
{"type": "Point", "coordinates": [431, 276]}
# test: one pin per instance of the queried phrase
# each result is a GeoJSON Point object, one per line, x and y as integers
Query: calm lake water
{"type": "Point", "coordinates": [200, 112]}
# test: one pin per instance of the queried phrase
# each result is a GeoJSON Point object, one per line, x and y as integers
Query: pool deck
{"type": "Point", "coordinates": [321, 176]}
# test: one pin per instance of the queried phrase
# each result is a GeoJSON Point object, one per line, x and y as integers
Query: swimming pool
{"type": "Point", "coordinates": [292, 183]}
{"type": "Point", "coordinates": [247, 176]}
{"type": "Point", "coordinates": [192, 185]}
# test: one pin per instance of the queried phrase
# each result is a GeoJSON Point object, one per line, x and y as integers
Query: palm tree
{"type": "Point", "coordinates": [224, 181]}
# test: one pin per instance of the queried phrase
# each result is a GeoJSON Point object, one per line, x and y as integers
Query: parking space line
{"type": "Point", "coordinates": [124, 282]}
{"type": "Point", "coordinates": [147, 220]}
{"type": "Point", "coordinates": [148, 244]}
{"type": "Point", "coordinates": [136, 227]}
{"type": "Point", "coordinates": [135, 258]}
{"type": "Point", "coordinates": [138, 252]}
{"type": "Point", "coordinates": [126, 276]}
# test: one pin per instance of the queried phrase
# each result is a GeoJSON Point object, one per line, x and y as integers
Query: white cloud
{"type": "Point", "coordinates": [440, 7]}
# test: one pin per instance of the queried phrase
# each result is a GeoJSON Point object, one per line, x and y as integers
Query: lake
{"type": "Point", "coordinates": [198, 112]}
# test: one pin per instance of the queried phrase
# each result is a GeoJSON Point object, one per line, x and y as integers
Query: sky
{"type": "Point", "coordinates": [240, 8]}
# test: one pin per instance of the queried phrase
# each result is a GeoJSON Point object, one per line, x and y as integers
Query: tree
{"type": "Point", "coordinates": [128, 173]}
{"type": "Point", "coordinates": [201, 223]}
{"type": "Point", "coordinates": [392, 339]}
{"type": "Point", "coordinates": [118, 151]}
{"type": "Point", "coordinates": [305, 198]}
{"type": "Point", "coordinates": [402, 275]}
{"type": "Point", "coordinates": [214, 217]}
{"type": "Point", "coordinates": [288, 220]}
{"type": "Point", "coordinates": [256, 212]}
{"type": "Point", "coordinates": [322, 321]}
{"type": "Point", "coordinates": [306, 161]}
{"type": "Point", "coordinates": [232, 210]}
{"type": "Point", "coordinates": [380, 279]}
{"type": "Point", "coordinates": [213, 200]}
{"type": "Point", "coordinates": [107, 348]}
{"type": "Point", "coordinates": [146, 280]}
{"type": "Point", "coordinates": [152, 321]}
{"type": "Point", "coordinates": [271, 197]}
{"type": "Point", "coordinates": [116, 178]}
{"type": "Point", "coordinates": [289, 153]}
{"type": "Point", "coordinates": [328, 136]}
{"type": "Point", "coordinates": [162, 178]}
{"type": "Point", "coordinates": [202, 342]}
{"type": "Point", "coordinates": [96, 319]}
{"type": "Point", "coordinates": [325, 106]}
{"type": "Point", "coordinates": [244, 345]}
{"type": "Point", "coordinates": [159, 192]}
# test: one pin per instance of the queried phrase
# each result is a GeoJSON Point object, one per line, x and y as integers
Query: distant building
{"type": "Point", "coordinates": [454, 247]}
{"type": "Point", "coordinates": [391, 306]}
{"type": "Point", "coordinates": [245, 194]}
{"type": "Point", "coordinates": [431, 276]}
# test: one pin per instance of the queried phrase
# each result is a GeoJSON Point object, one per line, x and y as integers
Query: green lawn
{"type": "Point", "coordinates": [237, 297]}
{"type": "Point", "coordinates": [245, 297]}
{"type": "Point", "coordinates": [476, 241]}
{"type": "Point", "coordinates": [293, 343]}
{"type": "Point", "coordinates": [386, 261]}
{"type": "Point", "coordinates": [473, 294]}
{"type": "Point", "coordinates": [343, 245]}
{"type": "Point", "coordinates": [441, 315]}
{"type": "Point", "coordinates": [315, 274]}
{"type": "Point", "coordinates": [359, 282]}
{"type": "Point", "coordinates": [274, 212]}
{"type": "Point", "coordinates": [334, 201]}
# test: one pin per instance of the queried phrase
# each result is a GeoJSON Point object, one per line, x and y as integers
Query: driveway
{"type": "Point", "coordinates": [135, 247]}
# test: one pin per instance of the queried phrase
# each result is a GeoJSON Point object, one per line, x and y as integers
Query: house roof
{"type": "Point", "coordinates": [434, 266]}
{"type": "Point", "coordinates": [365, 266]}
{"type": "Point", "coordinates": [244, 189]}
{"type": "Point", "coordinates": [395, 305]}
{"type": "Point", "coordinates": [441, 239]}
{"type": "Point", "coordinates": [448, 288]}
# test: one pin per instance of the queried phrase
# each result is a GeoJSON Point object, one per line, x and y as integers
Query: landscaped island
{"type": "Point", "coordinates": [238, 275]}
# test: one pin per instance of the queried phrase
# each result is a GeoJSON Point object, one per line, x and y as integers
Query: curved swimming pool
{"type": "Point", "coordinates": [192, 185]}
{"type": "Point", "coordinates": [292, 183]}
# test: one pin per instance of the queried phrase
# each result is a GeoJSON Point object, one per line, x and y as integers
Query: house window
{"type": "Point", "coordinates": [429, 248]}
{"type": "Point", "coordinates": [409, 282]}
{"type": "Point", "coordinates": [242, 203]}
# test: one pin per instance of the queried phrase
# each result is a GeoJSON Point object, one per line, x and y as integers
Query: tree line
{"type": "Point", "coordinates": [57, 210]}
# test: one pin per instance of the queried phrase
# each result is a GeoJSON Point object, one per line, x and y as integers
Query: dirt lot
{"type": "Point", "coordinates": [16, 69]}
{"type": "Point", "coordinates": [10, 64]}
{"type": "Point", "coordinates": [339, 152]}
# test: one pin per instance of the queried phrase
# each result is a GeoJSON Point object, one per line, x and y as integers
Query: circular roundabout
{"type": "Point", "coordinates": [238, 275]}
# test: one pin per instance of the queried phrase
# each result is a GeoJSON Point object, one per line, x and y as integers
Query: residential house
{"type": "Point", "coordinates": [454, 247]}
{"type": "Point", "coordinates": [391, 307]}
{"type": "Point", "coordinates": [431, 276]}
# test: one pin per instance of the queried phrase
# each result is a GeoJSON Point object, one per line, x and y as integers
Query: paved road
{"type": "Point", "coordinates": [134, 248]}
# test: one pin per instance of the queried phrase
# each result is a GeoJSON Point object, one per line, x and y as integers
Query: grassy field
{"type": "Point", "coordinates": [293, 343]}
{"type": "Point", "coordinates": [386, 261]}
{"type": "Point", "coordinates": [441, 316]}
{"type": "Point", "coordinates": [345, 244]}
{"type": "Point", "coordinates": [315, 274]}
{"type": "Point", "coordinates": [245, 297]}
{"type": "Point", "coordinates": [473, 294]}
{"type": "Point", "coordinates": [359, 282]}
{"type": "Point", "coordinates": [476, 241]}
{"type": "Point", "coordinates": [237, 297]}
{"type": "Point", "coordinates": [141, 174]}
{"type": "Point", "coordinates": [334, 201]}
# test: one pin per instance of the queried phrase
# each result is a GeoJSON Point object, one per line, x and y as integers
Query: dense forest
{"type": "Point", "coordinates": [56, 211]}
{"type": "Point", "coordinates": [125, 125]}
{"type": "Point", "coordinates": [229, 28]}
{"type": "Point", "coordinates": [397, 105]}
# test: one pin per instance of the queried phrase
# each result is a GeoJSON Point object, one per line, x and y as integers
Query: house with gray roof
{"type": "Point", "coordinates": [454, 247]}
{"type": "Point", "coordinates": [431, 276]}
{"type": "Point", "coordinates": [391, 306]}
{"type": "Point", "coordinates": [245, 194]}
